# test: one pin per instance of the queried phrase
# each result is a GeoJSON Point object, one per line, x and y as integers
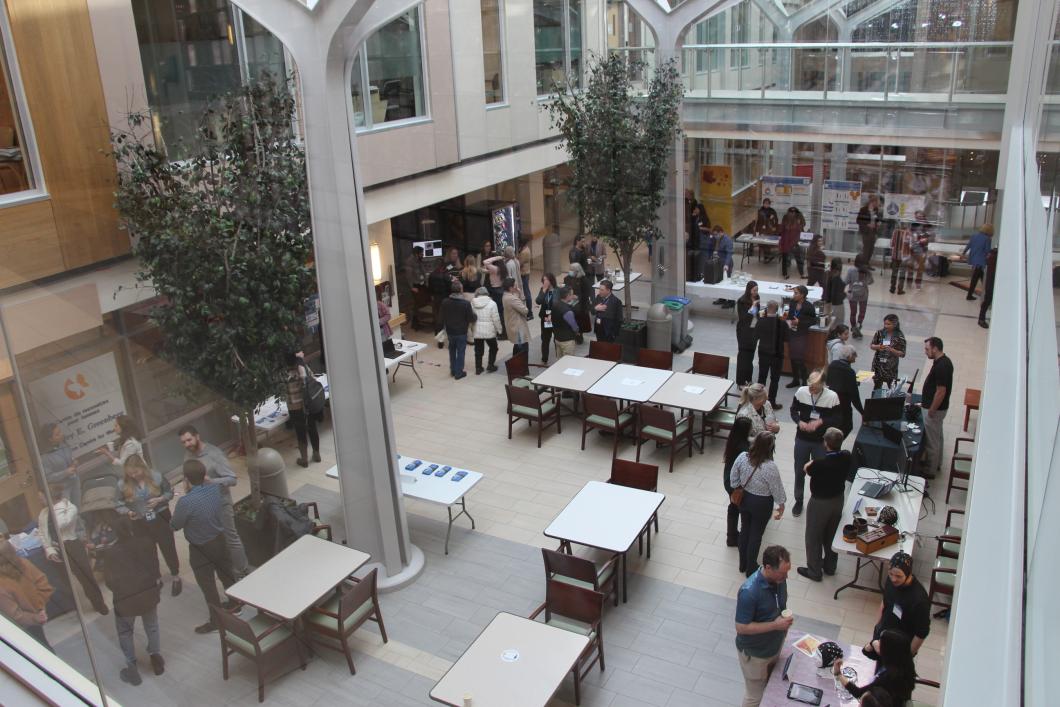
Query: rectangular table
{"type": "Point", "coordinates": [803, 671]}
{"type": "Point", "coordinates": [441, 490]}
{"type": "Point", "coordinates": [514, 662]}
{"type": "Point", "coordinates": [606, 517]}
{"type": "Point", "coordinates": [748, 241]}
{"type": "Point", "coordinates": [695, 392]}
{"type": "Point", "coordinates": [907, 503]}
{"type": "Point", "coordinates": [633, 383]}
{"type": "Point", "coordinates": [295, 579]}
{"type": "Point", "coordinates": [408, 350]}
{"type": "Point", "coordinates": [573, 373]}
{"type": "Point", "coordinates": [272, 413]}
{"type": "Point", "coordinates": [767, 291]}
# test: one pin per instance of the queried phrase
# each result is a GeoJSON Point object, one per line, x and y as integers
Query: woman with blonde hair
{"type": "Point", "coordinates": [24, 592]}
{"type": "Point", "coordinates": [753, 406]}
{"type": "Point", "coordinates": [814, 409]}
{"type": "Point", "coordinates": [143, 497]}
{"type": "Point", "coordinates": [471, 275]}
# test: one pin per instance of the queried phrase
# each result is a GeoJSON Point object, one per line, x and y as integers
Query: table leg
{"type": "Point", "coordinates": [412, 364]}
{"type": "Point", "coordinates": [625, 580]}
{"type": "Point", "coordinates": [449, 528]}
{"type": "Point", "coordinates": [853, 584]}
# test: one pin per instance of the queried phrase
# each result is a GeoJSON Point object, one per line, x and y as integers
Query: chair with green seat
{"type": "Point", "coordinates": [663, 427]}
{"type": "Point", "coordinates": [960, 470]}
{"type": "Point", "coordinates": [525, 404]}
{"type": "Point", "coordinates": [721, 417]}
{"type": "Point", "coordinates": [581, 611]}
{"type": "Point", "coordinates": [644, 477]}
{"type": "Point", "coordinates": [582, 572]}
{"type": "Point", "coordinates": [333, 622]}
{"type": "Point", "coordinates": [606, 414]}
{"type": "Point", "coordinates": [953, 533]}
{"type": "Point", "coordinates": [264, 640]}
{"type": "Point", "coordinates": [943, 581]}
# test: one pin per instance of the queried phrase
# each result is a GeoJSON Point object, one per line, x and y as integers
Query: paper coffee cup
{"type": "Point", "coordinates": [786, 613]}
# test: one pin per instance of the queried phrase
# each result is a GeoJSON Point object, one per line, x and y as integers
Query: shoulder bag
{"type": "Point", "coordinates": [736, 497]}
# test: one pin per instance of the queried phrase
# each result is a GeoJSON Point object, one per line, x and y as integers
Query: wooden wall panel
{"type": "Point", "coordinates": [29, 243]}
{"type": "Point", "coordinates": [57, 59]}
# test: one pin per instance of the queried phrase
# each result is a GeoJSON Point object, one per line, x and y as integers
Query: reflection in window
{"type": "Point", "coordinates": [14, 160]}
{"type": "Point", "coordinates": [390, 64]}
{"type": "Point", "coordinates": [492, 50]}
{"type": "Point", "coordinates": [557, 43]}
{"type": "Point", "coordinates": [192, 53]}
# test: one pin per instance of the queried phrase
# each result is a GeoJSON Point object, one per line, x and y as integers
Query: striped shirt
{"type": "Point", "coordinates": [198, 512]}
{"type": "Point", "coordinates": [766, 481]}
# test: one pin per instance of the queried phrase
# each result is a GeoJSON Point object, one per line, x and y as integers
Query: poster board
{"type": "Point", "coordinates": [715, 190]}
{"type": "Point", "coordinates": [903, 207]}
{"type": "Point", "coordinates": [840, 203]}
{"type": "Point", "coordinates": [84, 399]}
{"type": "Point", "coordinates": [786, 192]}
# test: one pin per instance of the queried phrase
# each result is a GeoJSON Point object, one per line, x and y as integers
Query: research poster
{"type": "Point", "coordinates": [785, 192]}
{"type": "Point", "coordinates": [84, 399]}
{"type": "Point", "coordinates": [840, 203]}
{"type": "Point", "coordinates": [903, 207]}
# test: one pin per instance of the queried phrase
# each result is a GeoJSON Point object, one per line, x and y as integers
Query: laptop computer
{"type": "Point", "coordinates": [875, 489]}
{"type": "Point", "coordinates": [389, 350]}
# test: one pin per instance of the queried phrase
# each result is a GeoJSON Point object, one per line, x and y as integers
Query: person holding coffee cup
{"type": "Point", "coordinates": [762, 621]}
{"type": "Point", "coordinates": [889, 345]}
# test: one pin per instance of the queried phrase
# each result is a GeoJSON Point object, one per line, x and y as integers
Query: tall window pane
{"type": "Point", "coordinates": [575, 43]}
{"type": "Point", "coordinates": [550, 57]}
{"type": "Point", "coordinates": [492, 46]}
{"type": "Point", "coordinates": [15, 174]}
{"type": "Point", "coordinates": [264, 50]}
{"type": "Point", "coordinates": [357, 92]}
{"type": "Point", "coordinates": [394, 58]}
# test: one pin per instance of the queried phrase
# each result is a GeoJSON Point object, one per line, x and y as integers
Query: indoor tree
{"type": "Point", "coordinates": [619, 144]}
{"type": "Point", "coordinates": [223, 237]}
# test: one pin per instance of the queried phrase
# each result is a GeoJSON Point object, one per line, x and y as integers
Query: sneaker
{"type": "Point", "coordinates": [131, 675]}
{"type": "Point", "coordinates": [302, 462]}
{"type": "Point", "coordinates": [805, 572]}
{"type": "Point", "coordinates": [316, 455]}
{"type": "Point", "coordinates": [491, 369]}
{"type": "Point", "coordinates": [178, 586]}
{"type": "Point", "coordinates": [208, 627]}
{"type": "Point", "coordinates": [796, 510]}
{"type": "Point", "coordinates": [158, 663]}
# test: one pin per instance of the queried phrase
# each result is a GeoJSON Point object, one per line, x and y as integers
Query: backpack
{"type": "Point", "coordinates": [313, 396]}
{"type": "Point", "coordinates": [859, 290]}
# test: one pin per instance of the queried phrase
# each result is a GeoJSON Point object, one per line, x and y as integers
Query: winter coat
{"type": "Point", "coordinates": [515, 312]}
{"type": "Point", "coordinates": [131, 571]}
{"type": "Point", "coordinates": [488, 324]}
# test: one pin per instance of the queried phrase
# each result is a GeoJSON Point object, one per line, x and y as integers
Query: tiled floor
{"type": "Point", "coordinates": [671, 645]}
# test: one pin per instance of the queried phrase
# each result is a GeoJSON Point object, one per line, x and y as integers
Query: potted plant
{"type": "Point", "coordinates": [223, 237]}
{"type": "Point", "coordinates": [619, 144]}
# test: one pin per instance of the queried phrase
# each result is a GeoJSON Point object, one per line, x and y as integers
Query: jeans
{"type": "Point", "coordinates": [931, 456]}
{"type": "Point", "coordinates": [857, 312]}
{"type": "Point", "coordinates": [804, 449]}
{"type": "Point", "coordinates": [754, 516]}
{"type": "Point", "coordinates": [769, 366]}
{"type": "Point", "coordinates": [480, 347]}
{"type": "Point", "coordinates": [839, 313]}
{"type": "Point", "coordinates": [755, 677]}
{"type": "Point", "coordinates": [822, 519]}
{"type": "Point", "coordinates": [210, 562]}
{"type": "Point", "coordinates": [457, 348]}
{"type": "Point", "coordinates": [125, 625]}
{"type": "Point", "coordinates": [236, 553]}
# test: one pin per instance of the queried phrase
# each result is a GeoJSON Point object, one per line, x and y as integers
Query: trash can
{"type": "Point", "coordinates": [272, 472]}
{"type": "Point", "coordinates": [660, 325]}
{"type": "Point", "coordinates": [679, 306]}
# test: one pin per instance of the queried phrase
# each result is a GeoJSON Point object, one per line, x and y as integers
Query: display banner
{"type": "Point", "coordinates": [903, 207]}
{"type": "Point", "coordinates": [840, 203]}
{"type": "Point", "coordinates": [84, 399]}
{"type": "Point", "coordinates": [715, 191]}
{"type": "Point", "coordinates": [786, 192]}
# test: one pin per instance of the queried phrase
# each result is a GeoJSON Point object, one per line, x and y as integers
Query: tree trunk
{"type": "Point", "coordinates": [626, 261]}
{"type": "Point", "coordinates": [249, 435]}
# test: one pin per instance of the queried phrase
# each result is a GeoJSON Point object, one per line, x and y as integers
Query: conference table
{"type": "Point", "coordinates": [572, 374]}
{"type": "Point", "coordinates": [694, 392]}
{"type": "Point", "coordinates": [749, 241]}
{"type": "Point", "coordinates": [631, 383]}
{"type": "Point", "coordinates": [803, 670]}
{"type": "Point", "coordinates": [606, 517]}
{"type": "Point", "coordinates": [908, 502]}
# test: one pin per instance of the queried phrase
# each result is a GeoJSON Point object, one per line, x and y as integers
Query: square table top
{"type": "Point", "coordinates": [803, 671]}
{"type": "Point", "coordinates": [407, 348]}
{"type": "Point", "coordinates": [576, 373]}
{"type": "Point", "coordinates": [514, 662]}
{"type": "Point", "coordinates": [907, 503]}
{"type": "Point", "coordinates": [292, 581]}
{"type": "Point", "coordinates": [626, 382]}
{"type": "Point", "coordinates": [692, 391]}
{"type": "Point", "coordinates": [605, 516]}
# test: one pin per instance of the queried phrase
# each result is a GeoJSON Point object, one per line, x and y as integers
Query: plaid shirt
{"type": "Point", "coordinates": [199, 513]}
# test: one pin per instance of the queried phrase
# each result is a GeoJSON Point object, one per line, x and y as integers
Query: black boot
{"type": "Point", "coordinates": [302, 461]}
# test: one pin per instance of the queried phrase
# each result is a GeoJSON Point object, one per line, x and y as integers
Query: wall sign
{"type": "Point", "coordinates": [840, 203]}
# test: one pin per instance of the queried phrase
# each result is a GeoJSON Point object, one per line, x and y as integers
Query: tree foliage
{"type": "Point", "coordinates": [224, 238]}
{"type": "Point", "coordinates": [619, 144]}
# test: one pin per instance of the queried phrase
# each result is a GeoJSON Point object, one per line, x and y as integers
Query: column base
{"type": "Point", "coordinates": [405, 577]}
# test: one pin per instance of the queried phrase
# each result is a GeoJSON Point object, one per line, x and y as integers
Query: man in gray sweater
{"type": "Point", "coordinates": [217, 472]}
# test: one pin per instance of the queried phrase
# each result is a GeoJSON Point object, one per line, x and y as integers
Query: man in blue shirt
{"type": "Point", "coordinates": [975, 253]}
{"type": "Point", "coordinates": [198, 513]}
{"type": "Point", "coordinates": [761, 625]}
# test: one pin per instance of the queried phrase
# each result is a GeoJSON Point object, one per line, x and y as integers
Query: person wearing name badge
{"type": "Point", "coordinates": [906, 607]}
{"type": "Point", "coordinates": [889, 345]}
{"type": "Point", "coordinates": [762, 622]}
{"type": "Point", "coordinates": [754, 406]}
{"type": "Point", "coordinates": [608, 312]}
{"type": "Point", "coordinates": [801, 317]}
{"type": "Point", "coordinates": [828, 477]}
{"type": "Point", "coordinates": [814, 409]}
{"type": "Point", "coordinates": [544, 300]}
{"type": "Point", "coordinates": [748, 308]}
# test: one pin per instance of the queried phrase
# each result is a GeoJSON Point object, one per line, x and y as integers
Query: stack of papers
{"type": "Point", "coordinates": [693, 389]}
{"type": "Point", "coordinates": [573, 372]}
{"type": "Point", "coordinates": [631, 381]}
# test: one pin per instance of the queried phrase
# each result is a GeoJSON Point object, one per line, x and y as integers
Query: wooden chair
{"type": "Point", "coordinates": [949, 541]}
{"type": "Point", "coordinates": [644, 477]}
{"type": "Point", "coordinates": [582, 572]}
{"type": "Point", "coordinates": [663, 427]}
{"type": "Point", "coordinates": [518, 370]}
{"type": "Point", "coordinates": [333, 622]}
{"type": "Point", "coordinates": [951, 531]}
{"type": "Point", "coordinates": [960, 470]}
{"type": "Point", "coordinates": [605, 414]}
{"type": "Point", "coordinates": [722, 417]}
{"type": "Point", "coordinates": [650, 358]}
{"type": "Point", "coordinates": [943, 581]}
{"type": "Point", "coordinates": [971, 402]}
{"type": "Point", "coordinates": [261, 639]}
{"type": "Point", "coordinates": [321, 530]}
{"type": "Point", "coordinates": [605, 351]}
{"type": "Point", "coordinates": [524, 404]}
{"type": "Point", "coordinates": [578, 610]}
{"type": "Point", "coordinates": [710, 365]}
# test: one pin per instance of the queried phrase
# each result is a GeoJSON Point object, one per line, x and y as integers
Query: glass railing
{"type": "Point", "coordinates": [925, 71]}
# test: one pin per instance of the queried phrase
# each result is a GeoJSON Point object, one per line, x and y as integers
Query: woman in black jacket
{"type": "Point", "coordinates": [131, 571]}
{"type": "Point", "coordinates": [735, 445]}
{"type": "Point", "coordinates": [835, 293]}
{"type": "Point", "coordinates": [801, 316]}
{"type": "Point", "coordinates": [895, 672]}
{"type": "Point", "coordinates": [544, 314]}
{"type": "Point", "coordinates": [746, 319]}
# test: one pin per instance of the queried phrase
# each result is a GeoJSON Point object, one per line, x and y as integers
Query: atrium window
{"type": "Point", "coordinates": [192, 53]}
{"type": "Point", "coordinates": [493, 50]}
{"type": "Point", "coordinates": [557, 44]}
{"type": "Point", "coordinates": [15, 172]}
{"type": "Point", "coordinates": [390, 64]}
